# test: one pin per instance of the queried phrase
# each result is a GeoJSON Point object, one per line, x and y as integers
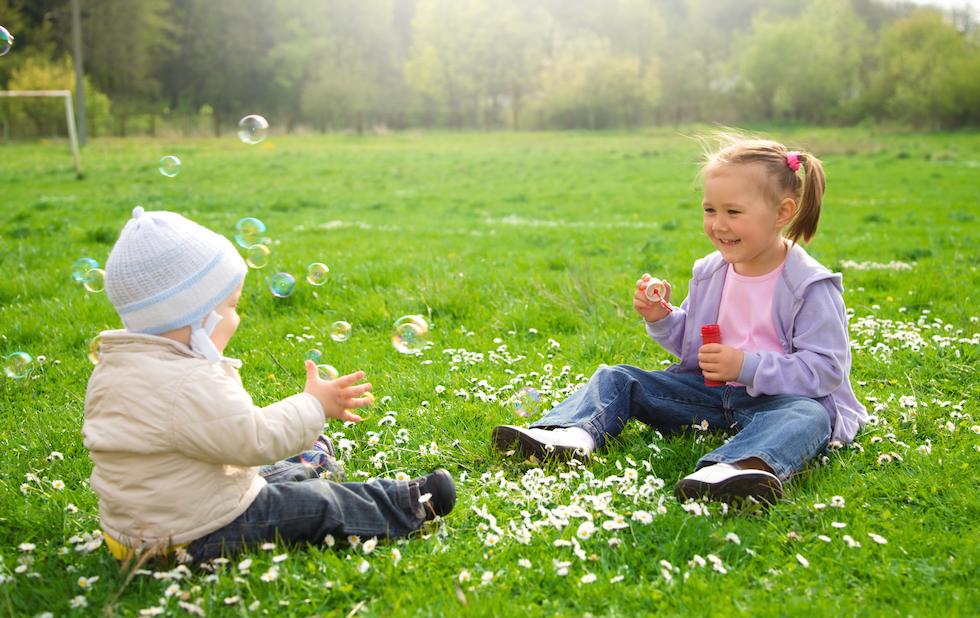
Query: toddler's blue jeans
{"type": "Point", "coordinates": [782, 430]}
{"type": "Point", "coordinates": [297, 506]}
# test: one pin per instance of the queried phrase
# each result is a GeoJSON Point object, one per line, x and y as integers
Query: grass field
{"type": "Point", "coordinates": [522, 251]}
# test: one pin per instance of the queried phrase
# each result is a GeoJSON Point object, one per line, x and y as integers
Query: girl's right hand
{"type": "Point", "coordinates": [650, 310]}
{"type": "Point", "coordinates": [338, 396]}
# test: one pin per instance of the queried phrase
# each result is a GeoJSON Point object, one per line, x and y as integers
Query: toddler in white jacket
{"type": "Point", "coordinates": [182, 458]}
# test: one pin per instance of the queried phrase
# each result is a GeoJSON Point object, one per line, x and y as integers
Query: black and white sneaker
{"type": "Point", "coordinates": [560, 443]}
{"type": "Point", "coordinates": [437, 493]}
{"type": "Point", "coordinates": [723, 482]}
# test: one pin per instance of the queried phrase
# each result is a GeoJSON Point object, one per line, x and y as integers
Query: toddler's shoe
{"type": "Point", "coordinates": [561, 443]}
{"type": "Point", "coordinates": [723, 482]}
{"type": "Point", "coordinates": [441, 490]}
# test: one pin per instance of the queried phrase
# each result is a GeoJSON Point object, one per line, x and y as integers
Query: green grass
{"type": "Point", "coordinates": [513, 240]}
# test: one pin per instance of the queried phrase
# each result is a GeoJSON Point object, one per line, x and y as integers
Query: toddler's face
{"type": "Point", "coordinates": [738, 217]}
{"type": "Point", "coordinates": [229, 324]}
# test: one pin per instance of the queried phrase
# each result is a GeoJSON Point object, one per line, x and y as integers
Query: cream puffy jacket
{"type": "Point", "coordinates": [175, 440]}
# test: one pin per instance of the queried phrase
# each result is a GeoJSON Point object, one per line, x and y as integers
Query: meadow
{"type": "Point", "coordinates": [521, 250]}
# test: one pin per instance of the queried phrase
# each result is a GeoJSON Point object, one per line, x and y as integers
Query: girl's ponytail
{"type": "Point", "coordinates": [804, 224]}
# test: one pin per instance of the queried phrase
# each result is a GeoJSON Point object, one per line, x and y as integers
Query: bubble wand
{"type": "Point", "coordinates": [655, 292]}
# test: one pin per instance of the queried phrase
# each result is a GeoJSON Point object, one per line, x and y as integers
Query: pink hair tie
{"type": "Point", "coordinates": [793, 160]}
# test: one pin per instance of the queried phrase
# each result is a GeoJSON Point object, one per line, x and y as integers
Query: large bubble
{"type": "Point", "coordinates": [317, 273]}
{"type": "Point", "coordinates": [18, 365]}
{"type": "Point", "coordinates": [253, 129]}
{"type": "Point", "coordinates": [94, 280]}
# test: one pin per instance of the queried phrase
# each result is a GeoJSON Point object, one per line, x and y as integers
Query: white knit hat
{"type": "Point", "coordinates": [166, 272]}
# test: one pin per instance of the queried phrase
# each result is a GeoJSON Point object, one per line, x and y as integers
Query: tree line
{"type": "Point", "coordinates": [191, 66]}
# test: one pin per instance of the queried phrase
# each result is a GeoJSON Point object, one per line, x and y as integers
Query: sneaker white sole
{"type": "Point", "coordinates": [763, 487]}
{"type": "Point", "coordinates": [505, 437]}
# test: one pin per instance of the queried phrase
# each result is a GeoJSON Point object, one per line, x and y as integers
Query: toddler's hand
{"type": "Point", "coordinates": [336, 396]}
{"type": "Point", "coordinates": [650, 310]}
{"type": "Point", "coordinates": [720, 362]}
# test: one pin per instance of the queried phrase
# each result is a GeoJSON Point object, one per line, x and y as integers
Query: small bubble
{"type": "Point", "coordinates": [253, 129]}
{"type": "Point", "coordinates": [317, 273]}
{"type": "Point", "coordinates": [411, 334]}
{"type": "Point", "coordinates": [170, 166]}
{"type": "Point", "coordinates": [18, 365]}
{"type": "Point", "coordinates": [340, 331]}
{"type": "Point", "coordinates": [95, 349]}
{"type": "Point", "coordinates": [314, 355]}
{"type": "Point", "coordinates": [6, 41]}
{"type": "Point", "coordinates": [257, 256]}
{"type": "Point", "coordinates": [327, 372]}
{"type": "Point", "coordinates": [248, 232]}
{"type": "Point", "coordinates": [527, 402]}
{"type": "Point", "coordinates": [282, 284]}
{"type": "Point", "coordinates": [94, 280]}
{"type": "Point", "coordinates": [80, 268]}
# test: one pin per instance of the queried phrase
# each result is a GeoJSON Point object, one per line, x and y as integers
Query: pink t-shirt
{"type": "Point", "coordinates": [745, 313]}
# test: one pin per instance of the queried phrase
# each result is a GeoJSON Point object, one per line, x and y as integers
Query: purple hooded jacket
{"type": "Point", "coordinates": [810, 321]}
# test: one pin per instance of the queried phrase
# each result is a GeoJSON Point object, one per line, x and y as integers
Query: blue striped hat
{"type": "Point", "coordinates": [166, 272]}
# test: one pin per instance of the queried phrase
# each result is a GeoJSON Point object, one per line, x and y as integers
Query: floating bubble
{"type": "Point", "coordinates": [411, 334]}
{"type": "Point", "coordinates": [248, 232]}
{"type": "Point", "coordinates": [527, 402]}
{"type": "Point", "coordinates": [170, 166]}
{"type": "Point", "coordinates": [327, 372]}
{"type": "Point", "coordinates": [17, 365]}
{"type": "Point", "coordinates": [257, 256]}
{"type": "Point", "coordinates": [6, 41]}
{"type": "Point", "coordinates": [314, 355]}
{"type": "Point", "coordinates": [253, 129]}
{"type": "Point", "coordinates": [340, 331]}
{"type": "Point", "coordinates": [80, 268]}
{"type": "Point", "coordinates": [317, 273]}
{"type": "Point", "coordinates": [94, 280]}
{"type": "Point", "coordinates": [95, 349]}
{"type": "Point", "coordinates": [282, 285]}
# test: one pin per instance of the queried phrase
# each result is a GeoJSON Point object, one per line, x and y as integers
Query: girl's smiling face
{"type": "Point", "coordinates": [741, 219]}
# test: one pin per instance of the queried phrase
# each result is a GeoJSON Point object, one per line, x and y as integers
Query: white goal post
{"type": "Point", "coordinates": [69, 116]}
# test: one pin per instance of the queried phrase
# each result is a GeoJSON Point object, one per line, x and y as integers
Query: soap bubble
{"type": "Point", "coordinates": [314, 355]}
{"type": "Point", "coordinates": [94, 280]}
{"type": "Point", "coordinates": [327, 372]}
{"type": "Point", "coordinates": [340, 331]}
{"type": "Point", "coordinates": [410, 334]}
{"type": "Point", "coordinates": [95, 349]}
{"type": "Point", "coordinates": [282, 284]}
{"type": "Point", "coordinates": [6, 41]}
{"type": "Point", "coordinates": [170, 166]}
{"type": "Point", "coordinates": [317, 273]}
{"type": "Point", "coordinates": [527, 402]}
{"type": "Point", "coordinates": [257, 256]}
{"type": "Point", "coordinates": [80, 268]}
{"type": "Point", "coordinates": [253, 129]}
{"type": "Point", "coordinates": [17, 365]}
{"type": "Point", "coordinates": [248, 232]}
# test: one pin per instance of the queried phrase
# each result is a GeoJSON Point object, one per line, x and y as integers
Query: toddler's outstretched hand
{"type": "Point", "coordinates": [650, 310]}
{"type": "Point", "coordinates": [336, 396]}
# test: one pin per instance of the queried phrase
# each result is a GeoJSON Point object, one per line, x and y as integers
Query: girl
{"type": "Point", "coordinates": [783, 361]}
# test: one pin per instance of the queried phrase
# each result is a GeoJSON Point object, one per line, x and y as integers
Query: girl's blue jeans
{"type": "Point", "coordinates": [784, 431]}
{"type": "Point", "coordinates": [298, 506]}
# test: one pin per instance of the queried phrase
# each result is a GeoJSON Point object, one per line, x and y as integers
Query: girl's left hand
{"type": "Point", "coordinates": [720, 362]}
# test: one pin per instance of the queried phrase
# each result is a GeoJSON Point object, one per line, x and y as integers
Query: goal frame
{"type": "Point", "coordinates": [69, 116]}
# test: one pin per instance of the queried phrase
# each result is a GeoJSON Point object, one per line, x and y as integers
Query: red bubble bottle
{"type": "Point", "coordinates": [711, 333]}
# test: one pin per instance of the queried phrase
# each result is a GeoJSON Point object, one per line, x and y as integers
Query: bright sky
{"type": "Point", "coordinates": [951, 4]}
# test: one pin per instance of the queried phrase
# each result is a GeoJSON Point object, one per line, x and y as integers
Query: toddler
{"type": "Point", "coordinates": [783, 361]}
{"type": "Point", "coordinates": [179, 450]}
